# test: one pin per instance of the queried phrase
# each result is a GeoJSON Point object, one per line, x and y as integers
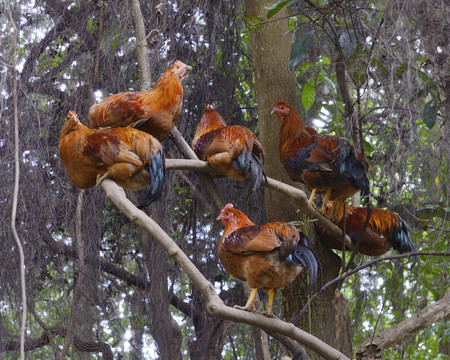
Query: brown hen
{"type": "Point", "coordinates": [153, 111]}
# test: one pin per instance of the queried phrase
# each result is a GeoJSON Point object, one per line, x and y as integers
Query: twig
{"type": "Point", "coordinates": [16, 184]}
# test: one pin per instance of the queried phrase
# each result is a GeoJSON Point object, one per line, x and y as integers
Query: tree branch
{"type": "Point", "coordinates": [44, 339]}
{"type": "Point", "coordinates": [297, 194]}
{"type": "Point", "coordinates": [207, 182]}
{"type": "Point", "coordinates": [215, 305]}
{"type": "Point", "coordinates": [370, 348]}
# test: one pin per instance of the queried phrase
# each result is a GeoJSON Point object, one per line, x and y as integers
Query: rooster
{"type": "Point", "coordinates": [153, 111]}
{"type": "Point", "coordinates": [385, 229]}
{"type": "Point", "coordinates": [132, 158]}
{"type": "Point", "coordinates": [267, 256]}
{"type": "Point", "coordinates": [324, 163]}
{"type": "Point", "coordinates": [233, 150]}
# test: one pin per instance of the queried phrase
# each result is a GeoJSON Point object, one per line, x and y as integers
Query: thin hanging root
{"type": "Point", "coordinates": [325, 201]}
{"type": "Point", "coordinates": [312, 196]}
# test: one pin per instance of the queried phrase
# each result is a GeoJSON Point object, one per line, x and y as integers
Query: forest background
{"type": "Point", "coordinates": [375, 72]}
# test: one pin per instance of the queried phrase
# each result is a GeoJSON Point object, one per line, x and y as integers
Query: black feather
{"type": "Point", "coordinates": [157, 169]}
{"type": "Point", "coordinates": [305, 257]}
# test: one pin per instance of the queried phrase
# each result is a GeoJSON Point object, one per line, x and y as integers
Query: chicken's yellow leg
{"type": "Point", "coordinates": [312, 196]}
{"type": "Point", "coordinates": [250, 301]}
{"type": "Point", "coordinates": [325, 201]}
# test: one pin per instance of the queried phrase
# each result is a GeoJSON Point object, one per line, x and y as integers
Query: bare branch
{"type": "Point", "coordinates": [417, 322]}
{"type": "Point", "coordinates": [214, 304]}
{"type": "Point", "coordinates": [45, 339]}
{"type": "Point", "coordinates": [297, 194]}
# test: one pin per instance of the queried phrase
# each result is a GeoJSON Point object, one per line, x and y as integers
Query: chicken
{"type": "Point", "coordinates": [323, 163]}
{"type": "Point", "coordinates": [385, 229]}
{"type": "Point", "coordinates": [132, 158]}
{"type": "Point", "coordinates": [153, 111]}
{"type": "Point", "coordinates": [267, 256]}
{"type": "Point", "coordinates": [233, 150]}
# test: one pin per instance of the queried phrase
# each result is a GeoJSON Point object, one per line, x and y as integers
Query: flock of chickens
{"type": "Point", "coordinates": [122, 142]}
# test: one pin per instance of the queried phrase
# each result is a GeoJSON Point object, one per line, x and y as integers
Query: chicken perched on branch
{"type": "Point", "coordinates": [267, 256]}
{"type": "Point", "coordinates": [132, 158]}
{"type": "Point", "coordinates": [385, 229]}
{"type": "Point", "coordinates": [153, 111]}
{"type": "Point", "coordinates": [233, 150]}
{"type": "Point", "coordinates": [325, 164]}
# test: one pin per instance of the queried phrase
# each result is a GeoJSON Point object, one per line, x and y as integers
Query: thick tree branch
{"type": "Point", "coordinates": [207, 182]}
{"type": "Point", "coordinates": [215, 305]}
{"type": "Point", "coordinates": [297, 194]}
{"type": "Point", "coordinates": [370, 348]}
{"type": "Point", "coordinates": [141, 45]}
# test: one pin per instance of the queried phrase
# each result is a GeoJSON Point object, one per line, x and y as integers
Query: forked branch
{"type": "Point", "coordinates": [214, 304]}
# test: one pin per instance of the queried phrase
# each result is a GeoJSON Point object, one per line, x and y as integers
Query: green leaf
{"type": "Point", "coordinates": [277, 7]}
{"type": "Point", "coordinates": [429, 112]}
{"type": "Point", "coordinates": [298, 52]}
{"type": "Point", "coordinates": [252, 22]}
{"type": "Point", "coordinates": [308, 96]}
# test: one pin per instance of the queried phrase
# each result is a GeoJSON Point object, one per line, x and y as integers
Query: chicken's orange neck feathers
{"type": "Point", "coordinates": [291, 127]}
{"type": "Point", "coordinates": [211, 120]}
{"type": "Point", "coordinates": [72, 124]}
{"type": "Point", "coordinates": [167, 91]}
{"type": "Point", "coordinates": [236, 222]}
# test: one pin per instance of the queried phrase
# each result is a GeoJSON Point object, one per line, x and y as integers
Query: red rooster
{"type": "Point", "coordinates": [385, 229]}
{"type": "Point", "coordinates": [323, 163]}
{"type": "Point", "coordinates": [233, 150]}
{"type": "Point", "coordinates": [153, 111]}
{"type": "Point", "coordinates": [132, 158]}
{"type": "Point", "coordinates": [267, 256]}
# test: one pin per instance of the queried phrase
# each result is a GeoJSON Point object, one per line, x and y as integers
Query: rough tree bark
{"type": "Point", "coordinates": [371, 348]}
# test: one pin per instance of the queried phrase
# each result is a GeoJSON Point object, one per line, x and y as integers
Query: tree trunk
{"type": "Point", "coordinates": [274, 81]}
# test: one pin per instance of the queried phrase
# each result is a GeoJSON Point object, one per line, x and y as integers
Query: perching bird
{"type": "Point", "coordinates": [385, 229]}
{"type": "Point", "coordinates": [267, 256]}
{"type": "Point", "coordinates": [233, 150]}
{"type": "Point", "coordinates": [153, 111]}
{"type": "Point", "coordinates": [132, 158]}
{"type": "Point", "coordinates": [324, 163]}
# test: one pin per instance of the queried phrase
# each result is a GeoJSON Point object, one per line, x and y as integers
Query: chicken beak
{"type": "Point", "coordinates": [273, 111]}
{"type": "Point", "coordinates": [188, 67]}
{"type": "Point", "coordinates": [219, 218]}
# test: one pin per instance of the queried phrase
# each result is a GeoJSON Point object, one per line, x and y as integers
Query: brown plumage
{"type": "Point", "coordinates": [132, 158]}
{"type": "Point", "coordinates": [153, 111]}
{"type": "Point", "coordinates": [325, 164]}
{"type": "Point", "coordinates": [267, 256]}
{"type": "Point", "coordinates": [234, 150]}
{"type": "Point", "coordinates": [385, 229]}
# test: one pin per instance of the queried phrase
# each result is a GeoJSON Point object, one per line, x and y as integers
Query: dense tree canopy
{"type": "Point", "coordinates": [375, 72]}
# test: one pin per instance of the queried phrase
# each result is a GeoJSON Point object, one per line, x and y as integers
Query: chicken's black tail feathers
{"type": "Point", "coordinates": [250, 163]}
{"type": "Point", "coordinates": [399, 238]}
{"type": "Point", "coordinates": [157, 169]}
